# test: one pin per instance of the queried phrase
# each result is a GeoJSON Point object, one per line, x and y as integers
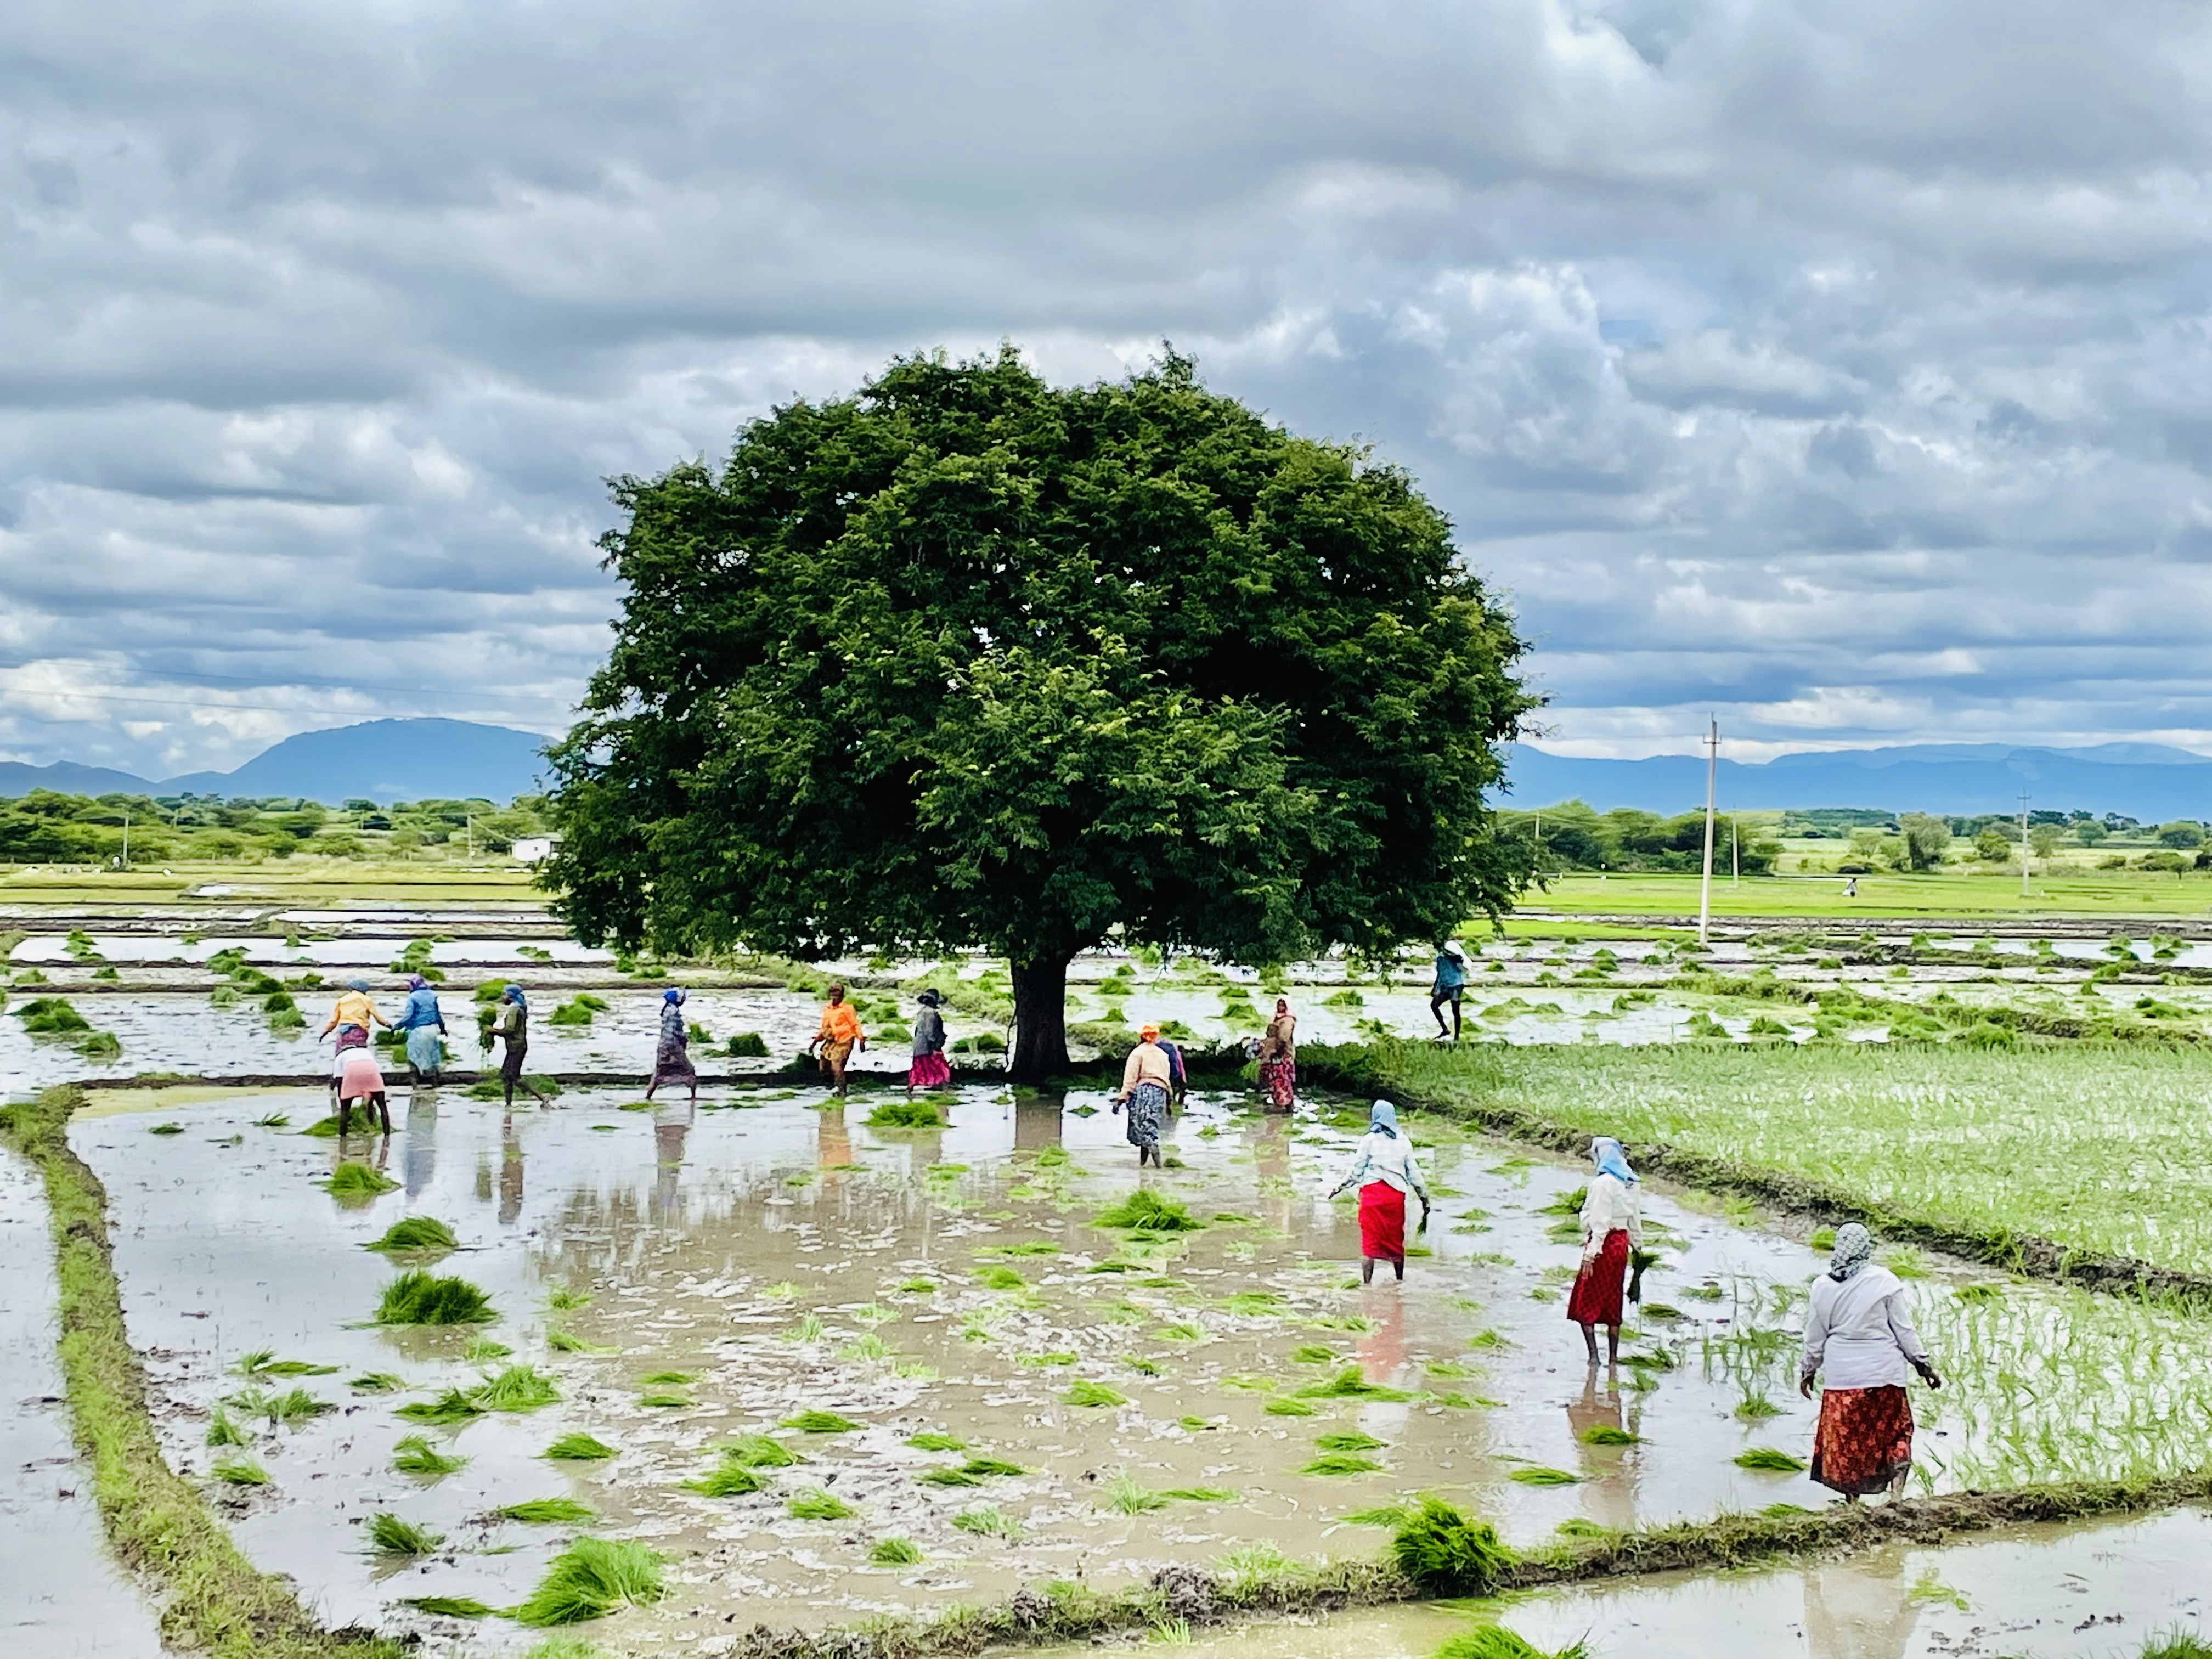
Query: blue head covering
{"type": "Point", "coordinates": [673, 993]}
{"type": "Point", "coordinates": [1382, 1119]}
{"type": "Point", "coordinates": [416, 982]}
{"type": "Point", "coordinates": [1606, 1154]}
{"type": "Point", "coordinates": [356, 985]}
{"type": "Point", "coordinates": [513, 994]}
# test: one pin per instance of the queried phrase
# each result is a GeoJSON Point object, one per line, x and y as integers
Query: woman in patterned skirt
{"type": "Point", "coordinates": [671, 1054]}
{"type": "Point", "coordinates": [1858, 1340]}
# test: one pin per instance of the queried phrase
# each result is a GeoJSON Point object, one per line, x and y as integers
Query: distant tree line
{"type": "Point", "coordinates": [48, 827]}
{"type": "Point", "coordinates": [1574, 836]}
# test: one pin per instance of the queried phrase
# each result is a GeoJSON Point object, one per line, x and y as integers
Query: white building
{"type": "Point", "coordinates": [535, 849]}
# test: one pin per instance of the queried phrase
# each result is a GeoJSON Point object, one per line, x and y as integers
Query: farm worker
{"type": "Point", "coordinates": [1178, 1072]}
{"type": "Point", "coordinates": [1450, 985]}
{"type": "Point", "coordinates": [511, 1025]}
{"type": "Point", "coordinates": [1858, 1340]}
{"type": "Point", "coordinates": [350, 1017]}
{"type": "Point", "coordinates": [929, 1068]}
{"type": "Point", "coordinates": [424, 1024]}
{"type": "Point", "coordinates": [1383, 1169]}
{"type": "Point", "coordinates": [671, 1055]}
{"type": "Point", "coordinates": [1147, 1077]}
{"type": "Point", "coordinates": [1613, 1223]}
{"type": "Point", "coordinates": [840, 1035]}
{"type": "Point", "coordinates": [1278, 1059]}
{"type": "Point", "coordinates": [361, 1079]}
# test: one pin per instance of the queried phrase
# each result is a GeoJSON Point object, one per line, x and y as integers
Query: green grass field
{"type": "Point", "coordinates": [2099, 1147]}
{"type": "Point", "coordinates": [2115, 893]}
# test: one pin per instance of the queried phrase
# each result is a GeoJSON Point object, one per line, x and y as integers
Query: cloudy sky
{"type": "Point", "coordinates": [1843, 367]}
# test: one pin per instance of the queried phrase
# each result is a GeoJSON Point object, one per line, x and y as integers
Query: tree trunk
{"type": "Point", "coordinates": [1040, 1020]}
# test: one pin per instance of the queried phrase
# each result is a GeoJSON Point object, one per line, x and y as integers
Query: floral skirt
{"type": "Point", "coordinates": [1381, 1222]}
{"type": "Point", "coordinates": [1278, 1081]}
{"type": "Point", "coordinates": [928, 1071]}
{"type": "Point", "coordinates": [1148, 1111]}
{"type": "Point", "coordinates": [1864, 1438]}
{"type": "Point", "coordinates": [1596, 1297]}
{"type": "Point", "coordinates": [672, 1062]}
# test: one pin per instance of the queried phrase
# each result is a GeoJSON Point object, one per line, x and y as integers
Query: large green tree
{"type": "Point", "coordinates": [969, 659]}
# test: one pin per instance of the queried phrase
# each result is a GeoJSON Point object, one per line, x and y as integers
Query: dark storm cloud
{"type": "Point", "coordinates": [1840, 366]}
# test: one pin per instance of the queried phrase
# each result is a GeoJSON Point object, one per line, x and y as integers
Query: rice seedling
{"type": "Point", "coordinates": [761, 1451]}
{"type": "Point", "coordinates": [665, 1401]}
{"type": "Point", "coordinates": [449, 1606]}
{"type": "Point", "coordinates": [415, 1233]}
{"type": "Point", "coordinates": [1340, 1463]}
{"type": "Point", "coordinates": [1181, 1331]}
{"type": "Point", "coordinates": [415, 1454]}
{"type": "Point", "coordinates": [809, 1328]}
{"type": "Point", "coordinates": [357, 1182]}
{"type": "Point", "coordinates": [548, 1512]}
{"type": "Point", "coordinates": [1083, 1392]}
{"type": "Point", "coordinates": [1770, 1459]}
{"type": "Point", "coordinates": [576, 1446]}
{"type": "Point", "coordinates": [728, 1478]}
{"type": "Point", "coordinates": [1349, 1384]}
{"type": "Point", "coordinates": [935, 1442]}
{"type": "Point", "coordinates": [895, 1552]}
{"type": "Point", "coordinates": [1535, 1474]}
{"type": "Point", "coordinates": [273, 1120]}
{"type": "Point", "coordinates": [1001, 1278]}
{"type": "Point", "coordinates": [1352, 1441]}
{"type": "Point", "coordinates": [1382, 1515]}
{"type": "Point", "coordinates": [563, 1341]}
{"type": "Point", "coordinates": [949, 1477]}
{"type": "Point", "coordinates": [166, 1129]}
{"type": "Point", "coordinates": [1445, 1554]}
{"type": "Point", "coordinates": [482, 1351]}
{"type": "Point", "coordinates": [1144, 1367]}
{"type": "Point", "coordinates": [221, 1431]}
{"type": "Point", "coordinates": [817, 1504]}
{"type": "Point", "coordinates": [988, 1467]}
{"type": "Point", "coordinates": [1125, 1496]}
{"type": "Point", "coordinates": [868, 1347]}
{"type": "Point", "coordinates": [1496, 1642]}
{"type": "Point", "coordinates": [453, 1405]}
{"type": "Point", "coordinates": [239, 1471]}
{"type": "Point", "coordinates": [1606, 1434]}
{"type": "Point", "coordinates": [592, 1578]}
{"type": "Point", "coordinates": [292, 1406]}
{"type": "Point", "coordinates": [815, 1421]}
{"type": "Point", "coordinates": [517, 1389]}
{"type": "Point", "coordinates": [906, 1114]}
{"type": "Point", "coordinates": [1146, 1212]}
{"type": "Point", "coordinates": [2175, 1642]}
{"type": "Point", "coordinates": [669, 1379]}
{"type": "Point", "coordinates": [1288, 1407]}
{"type": "Point", "coordinates": [388, 1534]}
{"type": "Point", "coordinates": [378, 1382]}
{"type": "Point", "coordinates": [989, 1522]}
{"type": "Point", "coordinates": [418, 1298]}
{"type": "Point", "coordinates": [562, 1299]}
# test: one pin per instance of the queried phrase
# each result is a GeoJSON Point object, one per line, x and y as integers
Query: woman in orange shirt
{"type": "Point", "coordinates": [840, 1035]}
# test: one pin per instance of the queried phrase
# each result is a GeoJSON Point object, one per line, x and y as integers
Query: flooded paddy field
{"type": "Point", "coordinates": [1011, 1389]}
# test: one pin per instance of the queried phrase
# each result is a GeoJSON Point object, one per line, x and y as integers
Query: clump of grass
{"type": "Point", "coordinates": [517, 1389]}
{"type": "Point", "coordinates": [454, 1405]}
{"type": "Point", "coordinates": [292, 1406]}
{"type": "Point", "coordinates": [417, 1297]}
{"type": "Point", "coordinates": [906, 1114]}
{"type": "Point", "coordinates": [2175, 1644]}
{"type": "Point", "coordinates": [1125, 1496]}
{"type": "Point", "coordinates": [1445, 1554]}
{"type": "Point", "coordinates": [989, 1522]}
{"type": "Point", "coordinates": [1199, 1495]}
{"type": "Point", "coordinates": [263, 1362]}
{"type": "Point", "coordinates": [1340, 1463]}
{"type": "Point", "coordinates": [240, 1472]}
{"type": "Point", "coordinates": [577, 1447]}
{"type": "Point", "coordinates": [895, 1552]}
{"type": "Point", "coordinates": [1496, 1642]}
{"type": "Point", "coordinates": [761, 1451]}
{"type": "Point", "coordinates": [812, 1421]}
{"type": "Point", "coordinates": [669, 1379]}
{"type": "Point", "coordinates": [1349, 1384]}
{"type": "Point", "coordinates": [1536, 1474]}
{"type": "Point", "coordinates": [166, 1129]}
{"type": "Point", "coordinates": [933, 1442]}
{"type": "Point", "coordinates": [482, 1350]}
{"type": "Point", "coordinates": [413, 1233]}
{"type": "Point", "coordinates": [1000, 1279]}
{"type": "Point", "coordinates": [415, 1454]}
{"type": "Point", "coordinates": [817, 1504]}
{"type": "Point", "coordinates": [357, 1181]}
{"type": "Point", "coordinates": [988, 1467]}
{"type": "Point", "coordinates": [449, 1606]}
{"type": "Point", "coordinates": [590, 1579]}
{"type": "Point", "coordinates": [1085, 1392]}
{"type": "Point", "coordinates": [390, 1536]}
{"type": "Point", "coordinates": [548, 1512]}
{"type": "Point", "coordinates": [1354, 1441]}
{"type": "Point", "coordinates": [1146, 1212]}
{"type": "Point", "coordinates": [728, 1478]}
{"type": "Point", "coordinates": [221, 1431]}
{"type": "Point", "coordinates": [949, 1477]}
{"type": "Point", "coordinates": [1606, 1434]}
{"type": "Point", "coordinates": [1755, 1408]}
{"type": "Point", "coordinates": [1383, 1514]}
{"type": "Point", "coordinates": [1288, 1408]}
{"type": "Point", "coordinates": [1769, 1458]}
{"type": "Point", "coordinates": [562, 1299]}
{"type": "Point", "coordinates": [378, 1382]}
{"type": "Point", "coordinates": [1313, 1354]}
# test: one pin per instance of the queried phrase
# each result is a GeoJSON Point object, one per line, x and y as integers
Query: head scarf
{"type": "Point", "coordinates": [673, 993]}
{"type": "Point", "coordinates": [356, 985]}
{"type": "Point", "coordinates": [513, 994]}
{"type": "Point", "coordinates": [1148, 1031]}
{"type": "Point", "coordinates": [1606, 1152]}
{"type": "Point", "coordinates": [416, 982]}
{"type": "Point", "coordinates": [1282, 1007]}
{"type": "Point", "coordinates": [1382, 1119]}
{"type": "Point", "coordinates": [931, 999]}
{"type": "Point", "coordinates": [1854, 1248]}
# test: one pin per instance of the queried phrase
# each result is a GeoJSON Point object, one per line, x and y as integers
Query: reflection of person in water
{"type": "Point", "coordinates": [671, 1124]}
{"type": "Point", "coordinates": [833, 1140]}
{"type": "Point", "coordinates": [1860, 1608]}
{"type": "Point", "coordinates": [510, 1171]}
{"type": "Point", "coordinates": [419, 1158]}
{"type": "Point", "coordinates": [1609, 1498]}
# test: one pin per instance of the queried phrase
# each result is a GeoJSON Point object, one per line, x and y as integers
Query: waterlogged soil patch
{"type": "Point", "coordinates": [829, 1370]}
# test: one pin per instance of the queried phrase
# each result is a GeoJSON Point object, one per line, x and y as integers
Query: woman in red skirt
{"type": "Point", "coordinates": [928, 1068]}
{"type": "Point", "coordinates": [1383, 1169]}
{"type": "Point", "coordinates": [1858, 1332]}
{"type": "Point", "coordinates": [1612, 1224]}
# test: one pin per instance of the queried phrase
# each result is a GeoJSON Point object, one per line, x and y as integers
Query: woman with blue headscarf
{"type": "Point", "coordinates": [1383, 1169]}
{"type": "Point", "coordinates": [511, 1025]}
{"type": "Point", "coordinates": [671, 1057]}
{"type": "Point", "coordinates": [1613, 1226]}
{"type": "Point", "coordinates": [424, 1024]}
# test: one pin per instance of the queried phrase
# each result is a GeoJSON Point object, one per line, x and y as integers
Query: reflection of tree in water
{"type": "Point", "coordinates": [419, 1162]}
{"type": "Point", "coordinates": [1859, 1609]}
{"type": "Point", "coordinates": [1037, 1114]}
{"type": "Point", "coordinates": [1610, 1498]}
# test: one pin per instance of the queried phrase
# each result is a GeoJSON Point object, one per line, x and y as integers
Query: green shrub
{"type": "Point", "coordinates": [1445, 1554]}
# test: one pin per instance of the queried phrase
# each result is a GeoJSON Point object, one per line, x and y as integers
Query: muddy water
{"type": "Point", "coordinates": [61, 1595]}
{"type": "Point", "coordinates": [787, 1258]}
{"type": "Point", "coordinates": [2083, 1592]}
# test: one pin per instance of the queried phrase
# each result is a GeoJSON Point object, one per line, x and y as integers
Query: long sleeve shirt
{"type": "Point", "coordinates": [1388, 1158]}
{"type": "Point", "coordinates": [422, 1009]}
{"type": "Point", "coordinates": [839, 1023]}
{"type": "Point", "coordinates": [929, 1032]}
{"type": "Point", "coordinates": [1612, 1204]}
{"type": "Point", "coordinates": [1857, 1334]}
{"type": "Point", "coordinates": [1147, 1063]}
{"type": "Point", "coordinates": [354, 1008]}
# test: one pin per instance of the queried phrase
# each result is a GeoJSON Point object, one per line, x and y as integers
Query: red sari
{"type": "Point", "coordinates": [1381, 1222]}
{"type": "Point", "coordinates": [1598, 1286]}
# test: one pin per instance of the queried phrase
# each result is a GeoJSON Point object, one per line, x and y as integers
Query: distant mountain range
{"type": "Point", "coordinates": [382, 760]}
{"type": "Point", "coordinates": [2147, 781]}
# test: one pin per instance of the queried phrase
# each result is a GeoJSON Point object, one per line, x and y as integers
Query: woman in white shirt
{"type": "Point", "coordinates": [1859, 1339]}
{"type": "Point", "coordinates": [1383, 1169]}
{"type": "Point", "coordinates": [1612, 1224]}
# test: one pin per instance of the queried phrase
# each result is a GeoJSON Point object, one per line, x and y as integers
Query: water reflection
{"type": "Point", "coordinates": [1610, 1500]}
{"type": "Point", "coordinates": [1859, 1609]}
{"type": "Point", "coordinates": [419, 1161]}
{"type": "Point", "coordinates": [671, 1123]}
{"type": "Point", "coordinates": [510, 1171]}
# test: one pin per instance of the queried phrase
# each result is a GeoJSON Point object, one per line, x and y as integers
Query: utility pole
{"type": "Point", "coordinates": [1735, 850]}
{"type": "Point", "coordinates": [2023, 843]}
{"type": "Point", "coordinates": [127, 838]}
{"type": "Point", "coordinates": [1706, 883]}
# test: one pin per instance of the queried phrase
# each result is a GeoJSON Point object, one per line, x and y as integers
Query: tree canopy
{"type": "Point", "coordinates": [968, 659]}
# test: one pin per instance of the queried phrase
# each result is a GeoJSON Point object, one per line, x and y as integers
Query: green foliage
{"type": "Point", "coordinates": [517, 1389]}
{"type": "Point", "coordinates": [1496, 1642]}
{"type": "Point", "coordinates": [1349, 1384]}
{"type": "Point", "coordinates": [1146, 1212]}
{"type": "Point", "coordinates": [413, 1233]}
{"type": "Point", "coordinates": [815, 1503]}
{"type": "Point", "coordinates": [415, 1454]}
{"type": "Point", "coordinates": [239, 1471]}
{"type": "Point", "coordinates": [359, 1181]}
{"type": "Point", "coordinates": [814, 1421]}
{"type": "Point", "coordinates": [1538, 1476]}
{"type": "Point", "coordinates": [50, 1017]}
{"type": "Point", "coordinates": [1444, 1553]}
{"type": "Point", "coordinates": [1042, 662]}
{"type": "Point", "coordinates": [577, 1447]}
{"type": "Point", "coordinates": [390, 1536]}
{"type": "Point", "coordinates": [1768, 1458]}
{"type": "Point", "coordinates": [906, 1114]}
{"type": "Point", "coordinates": [895, 1552]}
{"type": "Point", "coordinates": [450, 1607]}
{"type": "Point", "coordinates": [548, 1512]}
{"type": "Point", "coordinates": [592, 1578]}
{"type": "Point", "coordinates": [1085, 1392]}
{"type": "Point", "coordinates": [1608, 1434]}
{"type": "Point", "coordinates": [418, 1298]}
{"type": "Point", "coordinates": [937, 1443]}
